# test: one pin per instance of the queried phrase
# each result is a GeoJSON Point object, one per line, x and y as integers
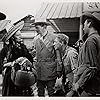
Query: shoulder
{"type": "Point", "coordinates": [92, 40]}
{"type": "Point", "coordinates": [94, 37]}
{"type": "Point", "coordinates": [72, 51]}
{"type": "Point", "coordinates": [52, 35]}
{"type": "Point", "coordinates": [35, 39]}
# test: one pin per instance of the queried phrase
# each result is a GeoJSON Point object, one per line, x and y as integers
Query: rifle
{"type": "Point", "coordinates": [61, 65]}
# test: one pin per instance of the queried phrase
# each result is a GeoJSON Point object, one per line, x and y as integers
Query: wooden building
{"type": "Point", "coordinates": [65, 17]}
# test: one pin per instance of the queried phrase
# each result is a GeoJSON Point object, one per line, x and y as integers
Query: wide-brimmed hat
{"type": "Point", "coordinates": [95, 16]}
{"type": "Point", "coordinates": [39, 21]}
{"type": "Point", "coordinates": [12, 29]}
{"type": "Point", "coordinates": [2, 16]}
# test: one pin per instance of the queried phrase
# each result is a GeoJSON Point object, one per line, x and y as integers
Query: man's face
{"type": "Point", "coordinates": [18, 36]}
{"type": "Point", "coordinates": [39, 29]}
{"type": "Point", "coordinates": [86, 27]}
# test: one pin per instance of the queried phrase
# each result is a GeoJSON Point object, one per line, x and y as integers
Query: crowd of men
{"type": "Point", "coordinates": [57, 67]}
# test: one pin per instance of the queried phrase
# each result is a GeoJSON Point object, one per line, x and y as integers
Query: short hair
{"type": "Point", "coordinates": [64, 38]}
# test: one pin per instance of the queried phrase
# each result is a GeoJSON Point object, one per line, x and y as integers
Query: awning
{"type": "Point", "coordinates": [66, 9]}
{"type": "Point", "coordinates": [60, 10]}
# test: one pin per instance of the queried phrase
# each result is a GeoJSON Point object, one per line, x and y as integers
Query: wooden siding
{"type": "Point", "coordinates": [67, 25]}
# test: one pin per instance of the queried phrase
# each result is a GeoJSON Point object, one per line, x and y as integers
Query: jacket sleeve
{"type": "Point", "coordinates": [73, 56]}
{"type": "Point", "coordinates": [59, 61]}
{"type": "Point", "coordinates": [90, 62]}
{"type": "Point", "coordinates": [86, 76]}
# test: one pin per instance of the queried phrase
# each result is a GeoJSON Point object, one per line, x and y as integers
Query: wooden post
{"type": "Point", "coordinates": [81, 29]}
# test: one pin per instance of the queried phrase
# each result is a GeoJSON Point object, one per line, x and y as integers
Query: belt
{"type": "Point", "coordinates": [46, 60]}
{"type": "Point", "coordinates": [92, 67]}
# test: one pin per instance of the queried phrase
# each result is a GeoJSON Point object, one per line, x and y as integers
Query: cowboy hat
{"type": "Point", "coordinates": [2, 16]}
{"type": "Point", "coordinates": [95, 16]}
{"type": "Point", "coordinates": [3, 24]}
{"type": "Point", "coordinates": [41, 21]}
{"type": "Point", "coordinates": [12, 30]}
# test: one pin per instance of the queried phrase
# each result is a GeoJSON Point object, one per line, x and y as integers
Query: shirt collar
{"type": "Point", "coordinates": [94, 32]}
{"type": "Point", "coordinates": [44, 35]}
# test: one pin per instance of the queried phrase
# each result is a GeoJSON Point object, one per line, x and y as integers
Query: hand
{"type": "Point", "coordinates": [58, 84]}
{"type": "Point", "coordinates": [76, 86]}
{"type": "Point", "coordinates": [59, 74]}
{"type": "Point", "coordinates": [70, 93]}
{"type": "Point", "coordinates": [7, 64]}
{"type": "Point", "coordinates": [57, 44]}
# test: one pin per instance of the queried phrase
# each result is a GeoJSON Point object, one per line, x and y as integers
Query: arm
{"type": "Point", "coordinates": [73, 56]}
{"type": "Point", "coordinates": [90, 62]}
{"type": "Point", "coordinates": [57, 46]}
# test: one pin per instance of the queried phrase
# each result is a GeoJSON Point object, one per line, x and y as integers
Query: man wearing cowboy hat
{"type": "Point", "coordinates": [46, 64]}
{"type": "Point", "coordinates": [87, 79]}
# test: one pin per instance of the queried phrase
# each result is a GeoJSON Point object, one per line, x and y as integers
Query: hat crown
{"type": "Point", "coordinates": [94, 15]}
{"type": "Point", "coordinates": [12, 29]}
{"type": "Point", "coordinates": [41, 20]}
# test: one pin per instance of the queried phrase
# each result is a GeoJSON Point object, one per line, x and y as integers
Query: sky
{"type": "Point", "coordinates": [17, 9]}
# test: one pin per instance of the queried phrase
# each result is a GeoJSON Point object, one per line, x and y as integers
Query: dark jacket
{"type": "Point", "coordinates": [89, 64]}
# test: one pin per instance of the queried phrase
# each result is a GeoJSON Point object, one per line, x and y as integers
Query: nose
{"type": "Point", "coordinates": [83, 28]}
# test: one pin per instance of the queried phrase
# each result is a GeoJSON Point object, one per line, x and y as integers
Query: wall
{"type": "Point", "coordinates": [69, 27]}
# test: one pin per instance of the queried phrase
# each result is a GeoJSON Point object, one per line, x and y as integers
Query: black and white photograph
{"type": "Point", "coordinates": [49, 48]}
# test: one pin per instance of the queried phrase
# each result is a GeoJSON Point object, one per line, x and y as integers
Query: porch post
{"type": "Point", "coordinates": [81, 29]}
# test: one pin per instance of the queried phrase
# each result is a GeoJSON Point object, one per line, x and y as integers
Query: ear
{"type": "Point", "coordinates": [89, 24]}
{"type": "Point", "coordinates": [44, 27]}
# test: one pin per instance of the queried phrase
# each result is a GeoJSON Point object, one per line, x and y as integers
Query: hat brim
{"type": "Point", "coordinates": [14, 29]}
{"type": "Point", "coordinates": [2, 16]}
{"type": "Point", "coordinates": [39, 23]}
{"type": "Point", "coordinates": [91, 16]}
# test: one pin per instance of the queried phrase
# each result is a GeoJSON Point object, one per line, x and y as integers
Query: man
{"type": "Point", "coordinates": [87, 81]}
{"type": "Point", "coordinates": [46, 64]}
{"type": "Point", "coordinates": [69, 58]}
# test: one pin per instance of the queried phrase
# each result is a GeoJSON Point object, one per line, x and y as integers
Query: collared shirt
{"type": "Point", "coordinates": [44, 35]}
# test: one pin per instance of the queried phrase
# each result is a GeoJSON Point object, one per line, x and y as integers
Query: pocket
{"type": "Point", "coordinates": [51, 69]}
